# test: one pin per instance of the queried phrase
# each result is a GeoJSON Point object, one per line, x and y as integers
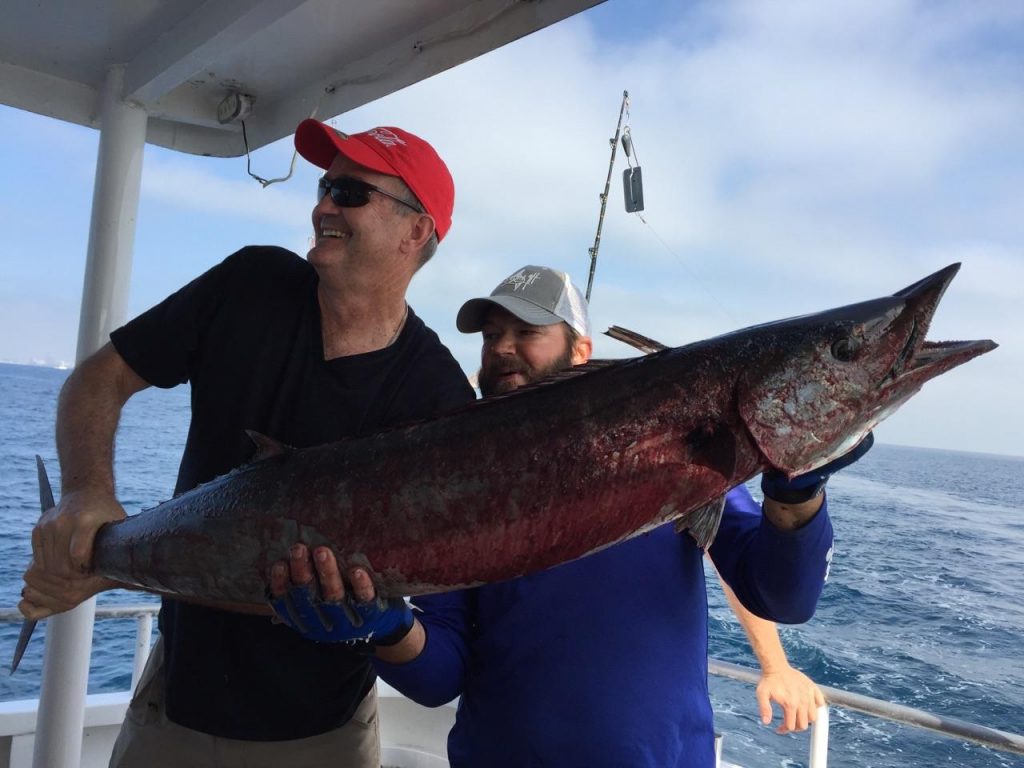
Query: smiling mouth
{"type": "Point", "coordinates": [333, 233]}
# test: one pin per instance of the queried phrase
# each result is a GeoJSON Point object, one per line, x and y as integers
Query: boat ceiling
{"type": "Point", "coordinates": [294, 58]}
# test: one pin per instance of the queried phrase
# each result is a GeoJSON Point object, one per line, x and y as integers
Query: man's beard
{"type": "Point", "coordinates": [488, 379]}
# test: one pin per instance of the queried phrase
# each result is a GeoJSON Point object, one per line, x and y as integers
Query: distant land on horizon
{"type": "Point", "coordinates": [60, 365]}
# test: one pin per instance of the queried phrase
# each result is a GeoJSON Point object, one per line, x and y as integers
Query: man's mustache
{"type": "Point", "coordinates": [503, 368]}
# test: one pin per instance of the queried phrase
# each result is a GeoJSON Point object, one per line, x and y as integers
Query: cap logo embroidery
{"type": "Point", "coordinates": [520, 281]}
{"type": "Point", "coordinates": [385, 137]}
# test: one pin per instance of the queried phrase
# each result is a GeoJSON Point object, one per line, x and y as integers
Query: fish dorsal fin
{"type": "Point", "coordinates": [563, 375]}
{"type": "Point", "coordinates": [266, 447]}
{"type": "Point", "coordinates": [634, 339]}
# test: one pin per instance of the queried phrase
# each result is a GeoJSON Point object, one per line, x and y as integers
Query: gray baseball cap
{"type": "Point", "coordinates": [536, 295]}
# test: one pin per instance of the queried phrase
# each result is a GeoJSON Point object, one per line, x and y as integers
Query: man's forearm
{"type": "Point", "coordinates": [762, 634]}
{"type": "Point", "coordinates": [406, 649]}
{"type": "Point", "coordinates": [88, 412]}
{"type": "Point", "coordinates": [777, 572]}
{"type": "Point", "coordinates": [789, 517]}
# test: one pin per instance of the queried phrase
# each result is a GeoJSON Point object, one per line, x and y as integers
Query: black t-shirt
{"type": "Point", "coordinates": [246, 334]}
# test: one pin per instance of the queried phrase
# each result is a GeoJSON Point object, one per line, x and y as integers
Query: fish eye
{"type": "Point", "coordinates": [845, 349]}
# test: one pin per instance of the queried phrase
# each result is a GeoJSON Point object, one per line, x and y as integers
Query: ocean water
{"type": "Point", "coordinates": [924, 606]}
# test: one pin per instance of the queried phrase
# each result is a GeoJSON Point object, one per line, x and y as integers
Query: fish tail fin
{"type": "Point", "coordinates": [703, 522]}
{"type": "Point", "coordinates": [45, 503]}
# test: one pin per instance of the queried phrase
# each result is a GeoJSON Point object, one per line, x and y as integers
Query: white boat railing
{"type": "Point", "coordinates": [143, 614]}
{"type": "Point", "coordinates": [885, 710]}
{"type": "Point", "coordinates": [818, 757]}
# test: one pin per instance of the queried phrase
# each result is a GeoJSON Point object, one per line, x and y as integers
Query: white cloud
{"type": "Point", "coordinates": [795, 157]}
{"type": "Point", "coordinates": [188, 186]}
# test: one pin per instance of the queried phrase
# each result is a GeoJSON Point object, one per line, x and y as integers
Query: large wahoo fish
{"type": "Point", "coordinates": [552, 472]}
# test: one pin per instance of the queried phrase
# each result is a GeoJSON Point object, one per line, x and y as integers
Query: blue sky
{"type": "Point", "coordinates": [795, 157]}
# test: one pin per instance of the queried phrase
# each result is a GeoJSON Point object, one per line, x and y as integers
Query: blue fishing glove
{"type": "Point", "coordinates": [378, 622]}
{"type": "Point", "coordinates": [775, 485]}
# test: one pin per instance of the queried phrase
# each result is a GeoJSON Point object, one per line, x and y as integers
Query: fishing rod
{"type": "Point", "coordinates": [633, 195]}
{"type": "Point", "coordinates": [631, 185]}
{"type": "Point", "coordinates": [604, 195]}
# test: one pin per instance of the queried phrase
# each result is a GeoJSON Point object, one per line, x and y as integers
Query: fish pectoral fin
{"type": "Point", "coordinates": [267, 447]}
{"type": "Point", "coordinates": [703, 522]}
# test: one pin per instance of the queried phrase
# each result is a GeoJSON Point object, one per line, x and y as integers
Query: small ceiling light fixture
{"type": "Point", "coordinates": [234, 107]}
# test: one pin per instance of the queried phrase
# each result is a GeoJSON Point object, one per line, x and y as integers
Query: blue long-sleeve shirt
{"type": "Point", "coordinates": [603, 661]}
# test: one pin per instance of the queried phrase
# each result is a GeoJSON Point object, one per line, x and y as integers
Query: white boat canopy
{"type": "Point", "coordinates": [292, 58]}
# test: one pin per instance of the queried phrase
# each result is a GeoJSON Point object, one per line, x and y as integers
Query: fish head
{"type": "Point", "coordinates": [817, 384]}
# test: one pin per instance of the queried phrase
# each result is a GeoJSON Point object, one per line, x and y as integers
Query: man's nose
{"type": "Point", "coordinates": [326, 206]}
{"type": "Point", "coordinates": [504, 344]}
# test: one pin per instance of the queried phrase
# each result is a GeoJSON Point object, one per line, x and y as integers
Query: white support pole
{"type": "Point", "coordinates": [115, 203]}
{"type": "Point", "coordinates": [818, 757]}
{"type": "Point", "coordinates": [143, 638]}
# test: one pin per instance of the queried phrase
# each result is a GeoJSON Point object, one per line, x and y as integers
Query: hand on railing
{"type": "Point", "coordinates": [795, 692]}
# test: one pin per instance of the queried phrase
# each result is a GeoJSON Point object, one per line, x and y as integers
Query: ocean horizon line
{"type": "Point", "coordinates": [64, 366]}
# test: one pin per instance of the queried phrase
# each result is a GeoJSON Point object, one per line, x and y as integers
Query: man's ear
{"type": "Point", "coordinates": [420, 229]}
{"type": "Point", "coordinates": [582, 350]}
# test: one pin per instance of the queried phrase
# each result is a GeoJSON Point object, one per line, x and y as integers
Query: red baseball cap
{"type": "Point", "coordinates": [387, 150]}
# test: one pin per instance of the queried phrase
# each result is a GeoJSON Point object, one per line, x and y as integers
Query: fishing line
{"type": "Point", "coordinates": [295, 152]}
{"type": "Point", "coordinates": [630, 150]}
{"type": "Point", "coordinates": [682, 262]}
{"type": "Point", "coordinates": [248, 163]}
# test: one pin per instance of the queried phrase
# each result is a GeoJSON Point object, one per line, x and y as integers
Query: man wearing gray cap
{"type": "Point", "coordinates": [542, 314]}
{"type": "Point", "coordinates": [601, 661]}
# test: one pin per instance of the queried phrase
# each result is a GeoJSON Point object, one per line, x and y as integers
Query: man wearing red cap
{"type": "Point", "coordinates": [304, 351]}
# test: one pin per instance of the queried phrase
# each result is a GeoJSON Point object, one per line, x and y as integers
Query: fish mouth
{"type": "Point", "coordinates": [919, 359]}
{"type": "Point", "coordinates": [932, 358]}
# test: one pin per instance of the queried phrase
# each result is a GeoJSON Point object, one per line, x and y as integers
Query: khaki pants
{"type": "Point", "coordinates": [149, 740]}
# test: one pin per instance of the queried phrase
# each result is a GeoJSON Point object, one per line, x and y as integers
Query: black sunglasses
{"type": "Point", "coordinates": [349, 192]}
